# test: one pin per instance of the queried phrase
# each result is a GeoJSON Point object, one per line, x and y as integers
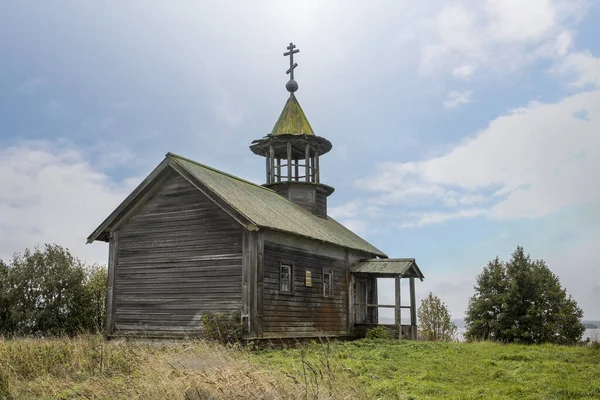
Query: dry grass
{"type": "Point", "coordinates": [89, 368]}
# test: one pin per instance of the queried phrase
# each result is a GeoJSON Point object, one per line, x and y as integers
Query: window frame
{"type": "Point", "coordinates": [330, 273]}
{"type": "Point", "coordinates": [289, 265]}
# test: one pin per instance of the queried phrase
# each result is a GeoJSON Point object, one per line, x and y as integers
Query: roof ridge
{"type": "Point", "coordinates": [389, 259]}
{"type": "Point", "coordinates": [237, 178]}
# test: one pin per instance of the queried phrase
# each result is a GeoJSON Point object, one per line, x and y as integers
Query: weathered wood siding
{"type": "Point", "coordinates": [178, 256]}
{"type": "Point", "coordinates": [305, 311]}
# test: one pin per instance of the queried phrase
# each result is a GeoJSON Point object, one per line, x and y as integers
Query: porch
{"type": "Point", "coordinates": [365, 307]}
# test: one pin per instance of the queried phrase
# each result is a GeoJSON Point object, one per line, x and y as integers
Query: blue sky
{"type": "Point", "coordinates": [461, 129]}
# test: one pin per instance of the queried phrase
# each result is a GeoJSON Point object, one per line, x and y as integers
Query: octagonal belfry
{"type": "Point", "coordinates": [292, 152]}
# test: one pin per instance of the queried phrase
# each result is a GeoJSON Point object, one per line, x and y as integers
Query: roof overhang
{"type": "Point", "coordinates": [389, 267]}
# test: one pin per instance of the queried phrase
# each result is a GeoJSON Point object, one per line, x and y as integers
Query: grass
{"type": "Point", "coordinates": [89, 368]}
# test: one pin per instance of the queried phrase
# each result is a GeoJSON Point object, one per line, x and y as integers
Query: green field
{"type": "Point", "coordinates": [89, 368]}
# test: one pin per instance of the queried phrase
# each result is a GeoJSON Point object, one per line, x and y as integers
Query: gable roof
{"type": "Point", "coordinates": [405, 267]}
{"type": "Point", "coordinates": [252, 205]}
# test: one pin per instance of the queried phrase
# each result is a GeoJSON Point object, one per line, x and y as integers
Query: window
{"type": "Point", "coordinates": [285, 278]}
{"type": "Point", "coordinates": [327, 283]}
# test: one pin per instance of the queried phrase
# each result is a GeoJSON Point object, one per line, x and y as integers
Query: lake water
{"type": "Point", "coordinates": [592, 334]}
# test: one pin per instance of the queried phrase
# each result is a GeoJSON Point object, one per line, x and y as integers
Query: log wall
{"type": "Point", "coordinates": [178, 256]}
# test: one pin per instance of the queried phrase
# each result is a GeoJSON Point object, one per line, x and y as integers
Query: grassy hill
{"type": "Point", "coordinates": [88, 367]}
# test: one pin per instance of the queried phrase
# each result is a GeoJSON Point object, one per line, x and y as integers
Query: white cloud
{"type": "Point", "coordinates": [585, 66]}
{"type": "Point", "coordinates": [51, 194]}
{"type": "Point", "coordinates": [435, 217]}
{"type": "Point", "coordinates": [463, 72]}
{"type": "Point", "coordinates": [532, 162]}
{"type": "Point", "coordinates": [497, 35]}
{"type": "Point", "coordinates": [520, 21]}
{"type": "Point", "coordinates": [456, 98]}
{"type": "Point", "coordinates": [345, 211]}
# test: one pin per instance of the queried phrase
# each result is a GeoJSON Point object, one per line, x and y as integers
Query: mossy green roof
{"type": "Point", "coordinates": [292, 120]}
{"type": "Point", "coordinates": [265, 208]}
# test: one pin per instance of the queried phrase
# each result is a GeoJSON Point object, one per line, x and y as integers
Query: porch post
{"type": "Point", "coordinates": [413, 310]}
{"type": "Point", "coordinates": [397, 307]}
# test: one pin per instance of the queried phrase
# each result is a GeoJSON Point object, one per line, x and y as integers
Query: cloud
{"type": "Point", "coordinates": [429, 218]}
{"type": "Point", "coordinates": [463, 72]}
{"type": "Point", "coordinates": [585, 66]}
{"type": "Point", "coordinates": [31, 87]}
{"type": "Point", "coordinates": [532, 162]}
{"type": "Point", "coordinates": [51, 194]}
{"type": "Point", "coordinates": [456, 98]}
{"type": "Point", "coordinates": [497, 35]}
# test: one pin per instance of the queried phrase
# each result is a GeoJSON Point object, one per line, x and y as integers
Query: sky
{"type": "Point", "coordinates": [460, 129]}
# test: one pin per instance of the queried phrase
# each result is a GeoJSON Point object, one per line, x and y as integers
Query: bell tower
{"type": "Point", "coordinates": [292, 152]}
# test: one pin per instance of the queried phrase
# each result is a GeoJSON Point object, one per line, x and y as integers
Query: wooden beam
{"type": "Point", "coordinates": [278, 169]}
{"type": "Point", "coordinates": [318, 171]}
{"type": "Point", "coordinates": [289, 160]}
{"type": "Point", "coordinates": [375, 296]}
{"type": "Point", "coordinates": [398, 307]}
{"type": "Point", "coordinates": [110, 296]}
{"type": "Point", "coordinates": [307, 161]}
{"type": "Point", "coordinates": [272, 160]}
{"type": "Point", "coordinates": [247, 287]}
{"type": "Point", "coordinates": [268, 167]}
{"type": "Point", "coordinates": [413, 309]}
{"type": "Point", "coordinates": [260, 278]}
{"type": "Point", "coordinates": [385, 306]}
{"type": "Point", "coordinates": [297, 177]}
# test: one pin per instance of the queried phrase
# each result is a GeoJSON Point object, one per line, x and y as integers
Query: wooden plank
{"type": "Point", "coordinates": [413, 309]}
{"type": "Point", "coordinates": [110, 296]}
{"type": "Point", "coordinates": [350, 304]}
{"type": "Point", "coordinates": [246, 280]}
{"type": "Point", "coordinates": [272, 160]}
{"type": "Point", "coordinates": [179, 256]}
{"type": "Point", "coordinates": [306, 161]}
{"type": "Point", "coordinates": [289, 160]}
{"type": "Point", "coordinates": [260, 266]}
{"type": "Point", "coordinates": [306, 310]}
{"type": "Point", "coordinates": [398, 314]}
{"type": "Point", "coordinates": [128, 202]}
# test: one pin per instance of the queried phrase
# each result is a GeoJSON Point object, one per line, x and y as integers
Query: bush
{"type": "Point", "coordinates": [49, 292]}
{"type": "Point", "coordinates": [222, 327]}
{"type": "Point", "coordinates": [434, 319]}
{"type": "Point", "coordinates": [378, 332]}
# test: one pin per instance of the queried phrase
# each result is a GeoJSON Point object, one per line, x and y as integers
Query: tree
{"type": "Point", "coordinates": [4, 304]}
{"type": "Point", "coordinates": [49, 292]}
{"type": "Point", "coordinates": [95, 289]}
{"type": "Point", "coordinates": [485, 306]}
{"type": "Point", "coordinates": [522, 301]}
{"type": "Point", "coordinates": [434, 318]}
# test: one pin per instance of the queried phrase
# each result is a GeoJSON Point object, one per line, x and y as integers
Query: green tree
{"type": "Point", "coordinates": [95, 298]}
{"type": "Point", "coordinates": [485, 306]}
{"type": "Point", "coordinates": [434, 320]}
{"type": "Point", "coordinates": [522, 301]}
{"type": "Point", "coordinates": [4, 304]}
{"type": "Point", "coordinates": [49, 292]}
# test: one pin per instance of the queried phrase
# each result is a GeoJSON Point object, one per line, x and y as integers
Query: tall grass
{"type": "Point", "coordinates": [88, 367]}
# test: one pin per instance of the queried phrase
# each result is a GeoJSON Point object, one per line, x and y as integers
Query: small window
{"type": "Point", "coordinates": [285, 278]}
{"type": "Point", "coordinates": [327, 283]}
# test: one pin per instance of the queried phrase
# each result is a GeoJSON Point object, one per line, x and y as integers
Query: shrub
{"type": "Point", "coordinates": [378, 332]}
{"type": "Point", "coordinates": [222, 327]}
{"type": "Point", "coordinates": [434, 319]}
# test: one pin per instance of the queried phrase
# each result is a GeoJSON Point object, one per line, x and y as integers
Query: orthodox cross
{"type": "Point", "coordinates": [291, 53]}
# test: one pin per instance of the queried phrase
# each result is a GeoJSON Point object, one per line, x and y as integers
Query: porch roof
{"type": "Point", "coordinates": [404, 267]}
